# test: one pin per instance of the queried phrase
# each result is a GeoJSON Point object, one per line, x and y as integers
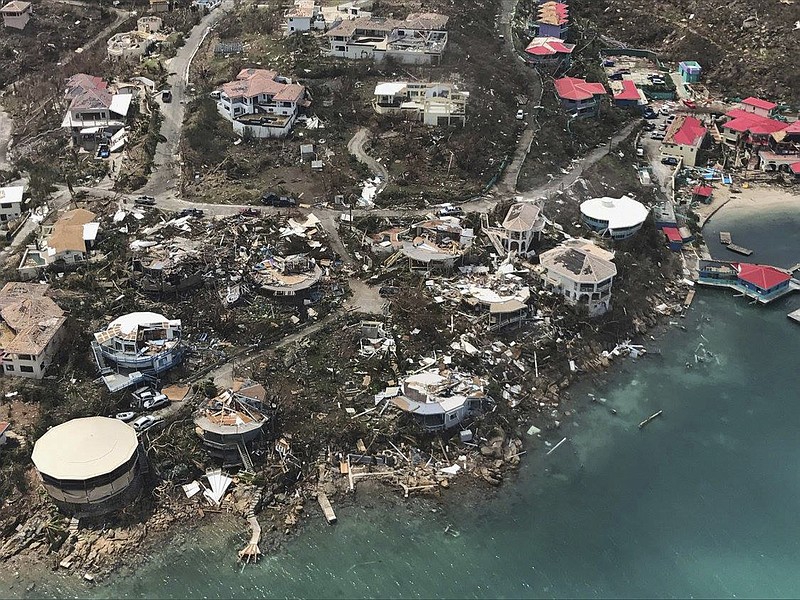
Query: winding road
{"type": "Point", "coordinates": [356, 147]}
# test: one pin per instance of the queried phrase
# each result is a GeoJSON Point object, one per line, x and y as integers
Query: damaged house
{"type": "Point", "coordinates": [137, 43]}
{"type": "Point", "coordinates": [437, 244]}
{"type": "Point", "coordinates": [65, 243]}
{"type": "Point", "coordinates": [581, 272]}
{"type": "Point", "coordinates": [137, 346]}
{"type": "Point", "coordinates": [32, 327]}
{"type": "Point", "coordinates": [419, 39]}
{"type": "Point", "coordinates": [262, 104]}
{"type": "Point", "coordinates": [521, 229]}
{"type": "Point", "coordinates": [287, 276]}
{"type": "Point", "coordinates": [169, 268]}
{"type": "Point", "coordinates": [94, 113]}
{"type": "Point", "coordinates": [439, 400]}
{"type": "Point", "coordinates": [232, 423]}
{"type": "Point", "coordinates": [435, 104]}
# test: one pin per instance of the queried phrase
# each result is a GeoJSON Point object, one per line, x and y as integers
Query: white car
{"type": "Point", "coordinates": [155, 402]}
{"type": "Point", "coordinates": [125, 416]}
{"type": "Point", "coordinates": [145, 422]}
{"type": "Point", "coordinates": [520, 114]}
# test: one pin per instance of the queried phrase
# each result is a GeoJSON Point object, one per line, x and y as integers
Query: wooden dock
{"type": "Point", "coordinates": [326, 507]}
{"type": "Point", "coordinates": [739, 249]}
{"type": "Point", "coordinates": [794, 268]}
{"type": "Point", "coordinates": [795, 315]}
{"type": "Point", "coordinates": [724, 237]}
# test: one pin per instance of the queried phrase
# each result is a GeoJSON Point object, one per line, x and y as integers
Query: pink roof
{"type": "Point", "coordinates": [672, 233]}
{"type": "Point", "coordinates": [702, 190]}
{"type": "Point", "coordinates": [795, 167]}
{"type": "Point", "coordinates": [290, 93]}
{"type": "Point", "coordinates": [554, 13]}
{"type": "Point", "coordinates": [762, 276]}
{"type": "Point", "coordinates": [793, 128]}
{"type": "Point", "coordinates": [629, 91]}
{"type": "Point", "coordinates": [745, 121]}
{"type": "Point", "coordinates": [81, 82]}
{"type": "Point", "coordinates": [548, 46]}
{"type": "Point", "coordinates": [252, 82]}
{"type": "Point", "coordinates": [759, 103]}
{"type": "Point", "coordinates": [572, 88]}
{"type": "Point", "coordinates": [686, 131]}
{"type": "Point", "coordinates": [3, 426]}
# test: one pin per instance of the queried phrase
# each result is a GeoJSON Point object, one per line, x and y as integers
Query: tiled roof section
{"type": "Point", "coordinates": [302, 8]}
{"type": "Point", "coordinates": [427, 21]}
{"type": "Point", "coordinates": [522, 216]}
{"type": "Point", "coordinates": [685, 131]}
{"type": "Point", "coordinates": [91, 100]}
{"type": "Point", "coordinates": [34, 318]}
{"type": "Point", "coordinates": [553, 13]}
{"type": "Point", "coordinates": [548, 46]}
{"type": "Point", "coordinates": [572, 88]}
{"type": "Point", "coordinates": [67, 234]}
{"type": "Point", "coordinates": [250, 83]}
{"type": "Point", "coordinates": [290, 93]}
{"type": "Point", "coordinates": [759, 103]}
{"type": "Point", "coordinates": [15, 6]}
{"type": "Point", "coordinates": [81, 82]}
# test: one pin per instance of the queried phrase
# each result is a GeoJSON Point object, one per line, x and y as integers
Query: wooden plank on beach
{"type": "Point", "coordinates": [326, 507]}
{"type": "Point", "coordinates": [739, 249]}
{"type": "Point", "coordinates": [725, 237]}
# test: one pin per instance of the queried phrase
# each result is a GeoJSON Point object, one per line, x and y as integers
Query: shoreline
{"type": "Point", "coordinates": [749, 202]}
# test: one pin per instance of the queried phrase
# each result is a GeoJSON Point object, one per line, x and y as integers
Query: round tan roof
{"type": "Point", "coordinates": [84, 448]}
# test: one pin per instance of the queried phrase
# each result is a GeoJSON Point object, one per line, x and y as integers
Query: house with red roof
{"type": "Point", "coordinates": [763, 283]}
{"type": "Point", "coordinates": [549, 53]}
{"type": "Point", "coordinates": [702, 193]}
{"type": "Point", "coordinates": [749, 128]}
{"type": "Point", "coordinates": [95, 112]}
{"type": "Point", "coordinates": [674, 238]}
{"type": "Point", "coordinates": [579, 97]}
{"type": "Point", "coordinates": [757, 106]}
{"type": "Point", "coordinates": [629, 95]}
{"type": "Point", "coordinates": [683, 139]}
{"type": "Point", "coordinates": [261, 103]}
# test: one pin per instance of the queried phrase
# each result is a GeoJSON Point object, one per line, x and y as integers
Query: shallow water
{"type": "Point", "coordinates": [702, 502]}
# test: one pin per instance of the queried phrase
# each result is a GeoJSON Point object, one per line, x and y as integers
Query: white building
{"type": "Point", "coordinates": [618, 218]}
{"type": "Point", "coordinates": [69, 241]}
{"type": "Point", "coordinates": [419, 39]}
{"type": "Point", "coordinates": [31, 329]}
{"type": "Point", "coordinates": [135, 44]}
{"type": "Point", "coordinates": [16, 14]}
{"type": "Point", "coordinates": [581, 272]}
{"type": "Point", "coordinates": [305, 15]}
{"type": "Point", "coordinates": [11, 203]}
{"type": "Point", "coordinates": [140, 342]}
{"type": "Point", "coordinates": [437, 104]}
{"type": "Point", "coordinates": [94, 113]}
{"type": "Point", "coordinates": [683, 139]}
{"type": "Point", "coordinates": [261, 103]}
{"type": "Point", "coordinates": [521, 228]}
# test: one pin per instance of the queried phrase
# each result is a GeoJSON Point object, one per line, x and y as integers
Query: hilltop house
{"type": "Point", "coordinates": [521, 228]}
{"type": "Point", "coordinates": [757, 106]}
{"type": "Point", "coordinates": [261, 103]}
{"type": "Point", "coordinates": [16, 14]}
{"type": "Point", "coordinates": [435, 104]}
{"type": "Point", "coordinates": [579, 97]}
{"type": "Point", "coordinates": [11, 203]}
{"type": "Point", "coordinates": [618, 218]}
{"type": "Point", "coordinates": [552, 19]}
{"type": "Point", "coordinates": [683, 139]}
{"type": "Point", "coordinates": [581, 272]}
{"type": "Point", "coordinates": [67, 241]}
{"type": "Point", "coordinates": [549, 53]}
{"type": "Point", "coordinates": [419, 39]}
{"type": "Point", "coordinates": [94, 112]}
{"type": "Point", "coordinates": [305, 15]}
{"type": "Point", "coordinates": [628, 94]}
{"type": "Point", "coordinates": [31, 329]}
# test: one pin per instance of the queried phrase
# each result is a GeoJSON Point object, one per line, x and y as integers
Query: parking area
{"type": "Point", "coordinates": [640, 70]}
{"type": "Point", "coordinates": [663, 113]}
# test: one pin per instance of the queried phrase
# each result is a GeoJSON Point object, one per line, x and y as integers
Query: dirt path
{"type": "Point", "coordinates": [6, 127]}
{"type": "Point", "coordinates": [356, 147]}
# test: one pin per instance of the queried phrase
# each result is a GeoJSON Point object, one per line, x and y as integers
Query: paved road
{"type": "Point", "coordinates": [356, 147]}
{"type": "Point", "coordinates": [6, 126]}
{"type": "Point", "coordinates": [166, 172]}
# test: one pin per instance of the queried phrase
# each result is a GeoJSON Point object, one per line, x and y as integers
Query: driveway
{"type": "Point", "coordinates": [356, 147]}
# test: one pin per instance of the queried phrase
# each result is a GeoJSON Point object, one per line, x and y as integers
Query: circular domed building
{"type": "Point", "coordinates": [91, 465]}
{"type": "Point", "coordinates": [618, 218]}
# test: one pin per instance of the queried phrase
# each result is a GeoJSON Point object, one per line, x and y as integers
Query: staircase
{"type": "Point", "coordinates": [74, 525]}
{"type": "Point", "coordinates": [493, 233]}
{"type": "Point", "coordinates": [247, 462]}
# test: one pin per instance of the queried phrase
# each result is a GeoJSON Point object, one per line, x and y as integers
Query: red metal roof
{"type": "Point", "coordinates": [572, 88]}
{"type": "Point", "coordinates": [795, 167]}
{"type": "Point", "coordinates": [629, 91]}
{"type": "Point", "coordinates": [702, 190]}
{"type": "Point", "coordinates": [672, 233]}
{"type": "Point", "coordinates": [794, 127]}
{"type": "Point", "coordinates": [686, 132]}
{"type": "Point", "coordinates": [762, 276]}
{"type": "Point", "coordinates": [759, 103]}
{"type": "Point", "coordinates": [3, 426]}
{"type": "Point", "coordinates": [744, 121]}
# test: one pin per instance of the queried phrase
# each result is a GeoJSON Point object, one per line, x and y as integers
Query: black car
{"type": "Point", "coordinates": [145, 201]}
{"type": "Point", "coordinates": [669, 160]}
{"type": "Point", "coordinates": [191, 212]}
{"type": "Point", "coordinates": [166, 96]}
{"type": "Point", "coordinates": [649, 114]}
{"type": "Point", "coordinates": [272, 199]}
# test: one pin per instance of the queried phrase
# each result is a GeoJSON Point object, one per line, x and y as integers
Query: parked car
{"type": "Point", "coordinates": [387, 291]}
{"type": "Point", "coordinates": [669, 160]}
{"type": "Point", "coordinates": [103, 151]}
{"type": "Point", "coordinates": [250, 212]}
{"type": "Point", "coordinates": [520, 115]}
{"type": "Point", "coordinates": [450, 211]}
{"type": "Point", "coordinates": [145, 201]}
{"type": "Point", "coordinates": [663, 127]}
{"type": "Point", "coordinates": [273, 199]}
{"type": "Point", "coordinates": [145, 422]}
{"type": "Point", "coordinates": [156, 402]}
{"type": "Point", "coordinates": [690, 103]}
{"type": "Point", "coordinates": [664, 111]}
{"type": "Point", "coordinates": [649, 114]}
{"type": "Point", "coordinates": [192, 212]}
{"type": "Point", "coordinates": [657, 136]}
{"type": "Point", "coordinates": [639, 152]}
{"type": "Point", "coordinates": [125, 416]}
{"type": "Point", "coordinates": [648, 126]}
{"type": "Point", "coordinates": [166, 96]}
